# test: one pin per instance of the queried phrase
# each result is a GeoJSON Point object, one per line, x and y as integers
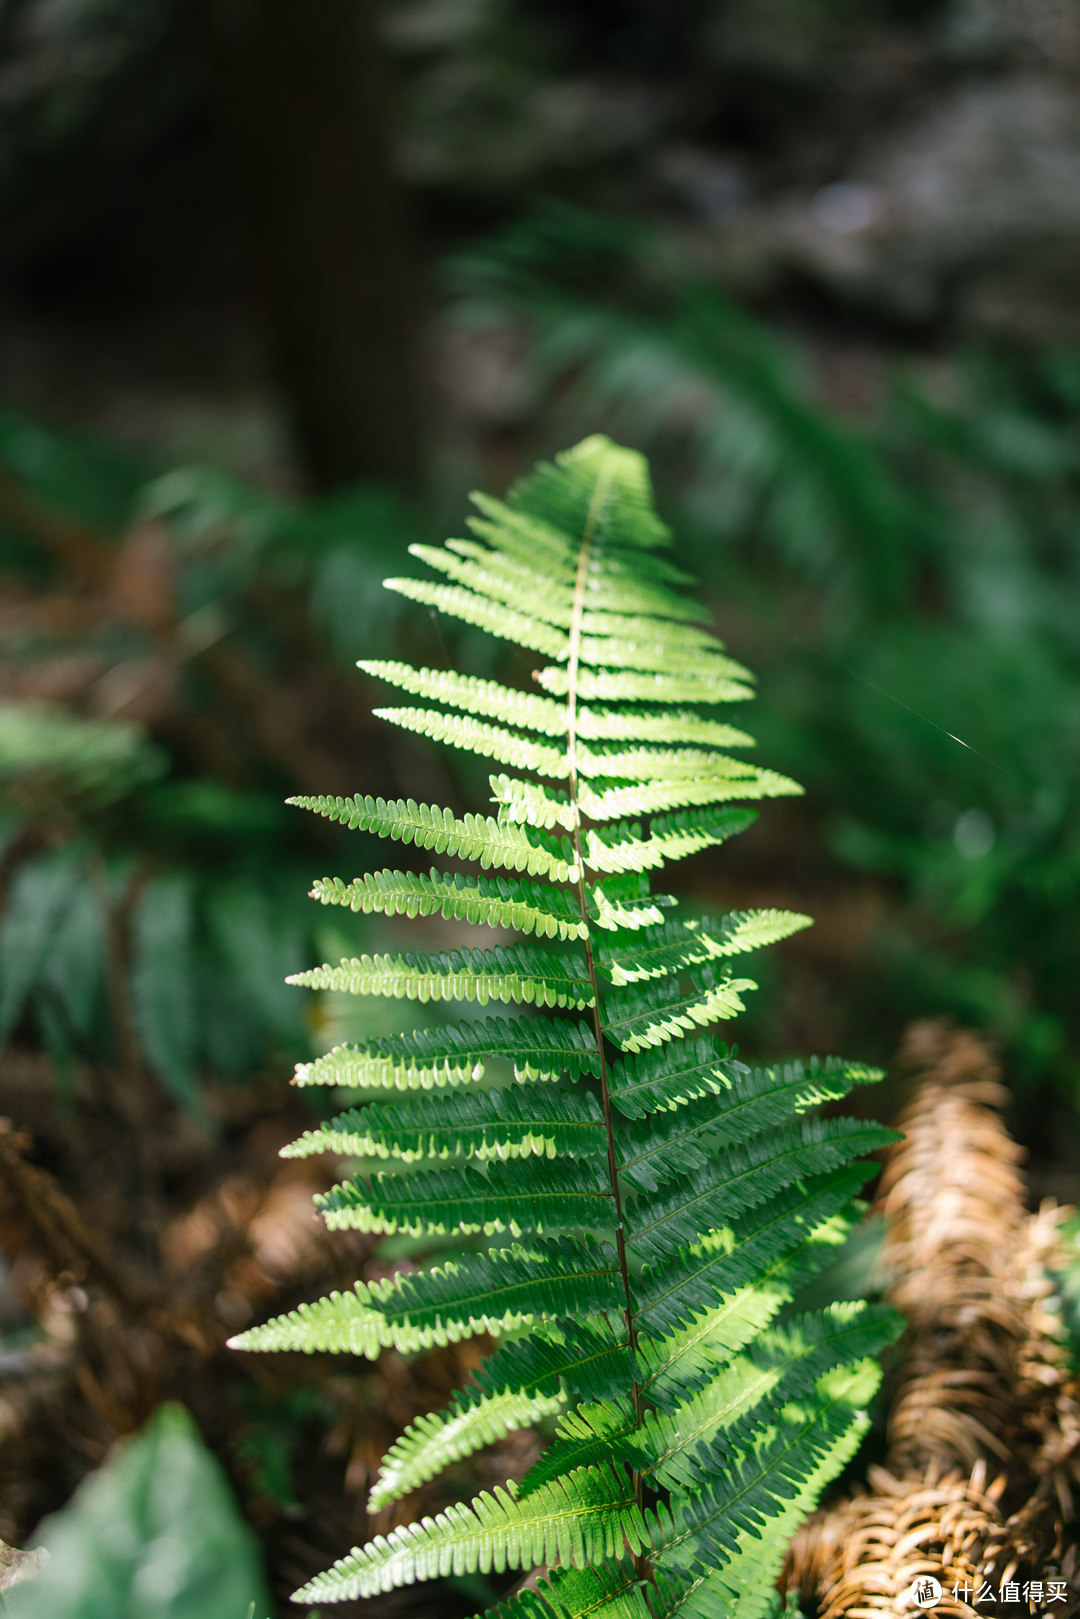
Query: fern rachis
{"type": "Point", "coordinates": [651, 1202]}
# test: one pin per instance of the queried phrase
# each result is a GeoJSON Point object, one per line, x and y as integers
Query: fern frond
{"type": "Point", "coordinates": [659, 764]}
{"type": "Point", "coordinates": [643, 1015]}
{"type": "Point", "coordinates": [504, 579]}
{"type": "Point", "coordinates": [521, 628]}
{"type": "Point", "coordinates": [744, 1175]}
{"type": "Point", "coordinates": [664, 1201]}
{"type": "Point", "coordinates": [648, 725]}
{"type": "Point", "coordinates": [687, 1358]}
{"type": "Point", "coordinates": [517, 1196]}
{"type": "Point", "coordinates": [741, 931]}
{"type": "Point", "coordinates": [433, 1443]}
{"type": "Point", "coordinates": [613, 1591]}
{"type": "Point", "coordinates": [781, 1366]}
{"type": "Point", "coordinates": [587, 1358]}
{"type": "Point", "coordinates": [705, 1531]}
{"type": "Point", "coordinates": [540, 1048]}
{"type": "Point", "coordinates": [490, 1292]}
{"type": "Point", "coordinates": [491, 1124]}
{"type": "Point", "coordinates": [476, 736]}
{"type": "Point", "coordinates": [676, 653]}
{"type": "Point", "coordinates": [340, 1324]}
{"type": "Point", "coordinates": [580, 1520]}
{"type": "Point", "coordinates": [518, 974]}
{"type": "Point", "coordinates": [743, 1587]}
{"type": "Point", "coordinates": [674, 1293]}
{"type": "Point", "coordinates": [677, 1140]}
{"type": "Point", "coordinates": [584, 1438]}
{"type": "Point", "coordinates": [619, 905]}
{"type": "Point", "coordinates": [622, 848]}
{"type": "Point", "coordinates": [473, 837]}
{"type": "Point", "coordinates": [525, 801]}
{"type": "Point", "coordinates": [486, 698]}
{"type": "Point", "coordinates": [758, 1096]}
{"type": "Point", "coordinates": [739, 780]}
{"type": "Point", "coordinates": [520, 533]}
{"type": "Point", "coordinates": [486, 1292]}
{"type": "Point", "coordinates": [498, 902]}
{"type": "Point", "coordinates": [633, 687]}
{"type": "Point", "coordinates": [685, 943]}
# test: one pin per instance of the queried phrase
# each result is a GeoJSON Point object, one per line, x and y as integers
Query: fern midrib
{"type": "Point", "coordinates": [596, 506]}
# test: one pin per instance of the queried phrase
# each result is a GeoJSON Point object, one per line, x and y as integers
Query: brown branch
{"type": "Point", "coordinates": [34, 1204]}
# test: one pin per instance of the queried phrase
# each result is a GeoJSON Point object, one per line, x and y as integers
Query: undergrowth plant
{"type": "Point", "coordinates": [640, 1204]}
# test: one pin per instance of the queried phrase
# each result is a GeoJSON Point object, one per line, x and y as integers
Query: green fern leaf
{"type": "Point", "coordinates": [706, 1532]}
{"type": "Point", "coordinates": [525, 801]}
{"type": "Point", "coordinates": [740, 781]}
{"type": "Point", "coordinates": [673, 1142]}
{"type": "Point", "coordinates": [475, 736]}
{"type": "Point", "coordinates": [586, 1437]}
{"type": "Point", "coordinates": [676, 1292]}
{"type": "Point", "coordinates": [504, 579]}
{"type": "Point", "coordinates": [782, 1365]}
{"type": "Point", "coordinates": [579, 1520]}
{"type": "Point", "coordinates": [660, 764]}
{"type": "Point", "coordinates": [634, 687]}
{"type": "Point", "coordinates": [492, 1124]}
{"type": "Point", "coordinates": [474, 837]}
{"type": "Point", "coordinates": [485, 698]}
{"type": "Point", "coordinates": [497, 902]}
{"type": "Point", "coordinates": [682, 944]}
{"type": "Point", "coordinates": [490, 1292]}
{"type": "Point", "coordinates": [340, 1324]}
{"type": "Point", "coordinates": [585, 1358]}
{"type": "Point", "coordinates": [614, 1591]}
{"type": "Point", "coordinates": [515, 1197]}
{"type": "Point", "coordinates": [664, 1200]}
{"type": "Point", "coordinates": [539, 1048]}
{"type": "Point", "coordinates": [686, 1359]}
{"type": "Point", "coordinates": [520, 974]}
{"type": "Point", "coordinates": [745, 1175]}
{"type": "Point", "coordinates": [433, 1443]}
{"type": "Point", "coordinates": [645, 725]}
{"type": "Point", "coordinates": [673, 837]}
{"type": "Point", "coordinates": [644, 1015]}
{"type": "Point", "coordinates": [521, 628]}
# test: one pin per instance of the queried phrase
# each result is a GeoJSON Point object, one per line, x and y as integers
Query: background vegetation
{"type": "Point", "coordinates": [278, 289]}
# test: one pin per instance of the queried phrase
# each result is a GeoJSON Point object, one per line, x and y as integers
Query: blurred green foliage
{"type": "Point", "coordinates": [154, 1534]}
{"type": "Point", "coordinates": [151, 894]}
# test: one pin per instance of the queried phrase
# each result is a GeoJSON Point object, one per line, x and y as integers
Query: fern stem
{"type": "Point", "coordinates": [596, 505]}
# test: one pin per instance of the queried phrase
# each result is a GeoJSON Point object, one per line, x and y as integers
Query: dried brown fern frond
{"type": "Point", "coordinates": [984, 1428]}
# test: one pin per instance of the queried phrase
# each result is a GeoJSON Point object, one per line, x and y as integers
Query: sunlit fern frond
{"type": "Point", "coordinates": [642, 1202]}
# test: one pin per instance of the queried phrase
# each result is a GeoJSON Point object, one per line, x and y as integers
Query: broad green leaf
{"type": "Point", "coordinates": [154, 1534]}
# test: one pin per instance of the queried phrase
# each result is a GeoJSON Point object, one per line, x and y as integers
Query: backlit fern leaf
{"type": "Point", "coordinates": [485, 1124]}
{"type": "Point", "coordinates": [434, 1442]}
{"type": "Point", "coordinates": [653, 1201]}
{"type": "Point", "coordinates": [521, 975]}
{"type": "Point", "coordinates": [498, 902]}
{"type": "Point", "coordinates": [453, 1055]}
{"type": "Point", "coordinates": [583, 1519]}
{"type": "Point", "coordinates": [516, 1196]}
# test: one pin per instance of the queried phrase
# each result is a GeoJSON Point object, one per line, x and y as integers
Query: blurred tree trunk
{"type": "Point", "coordinates": [303, 108]}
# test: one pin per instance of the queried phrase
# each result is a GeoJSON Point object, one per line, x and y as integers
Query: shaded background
{"type": "Point", "coordinates": [279, 284]}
